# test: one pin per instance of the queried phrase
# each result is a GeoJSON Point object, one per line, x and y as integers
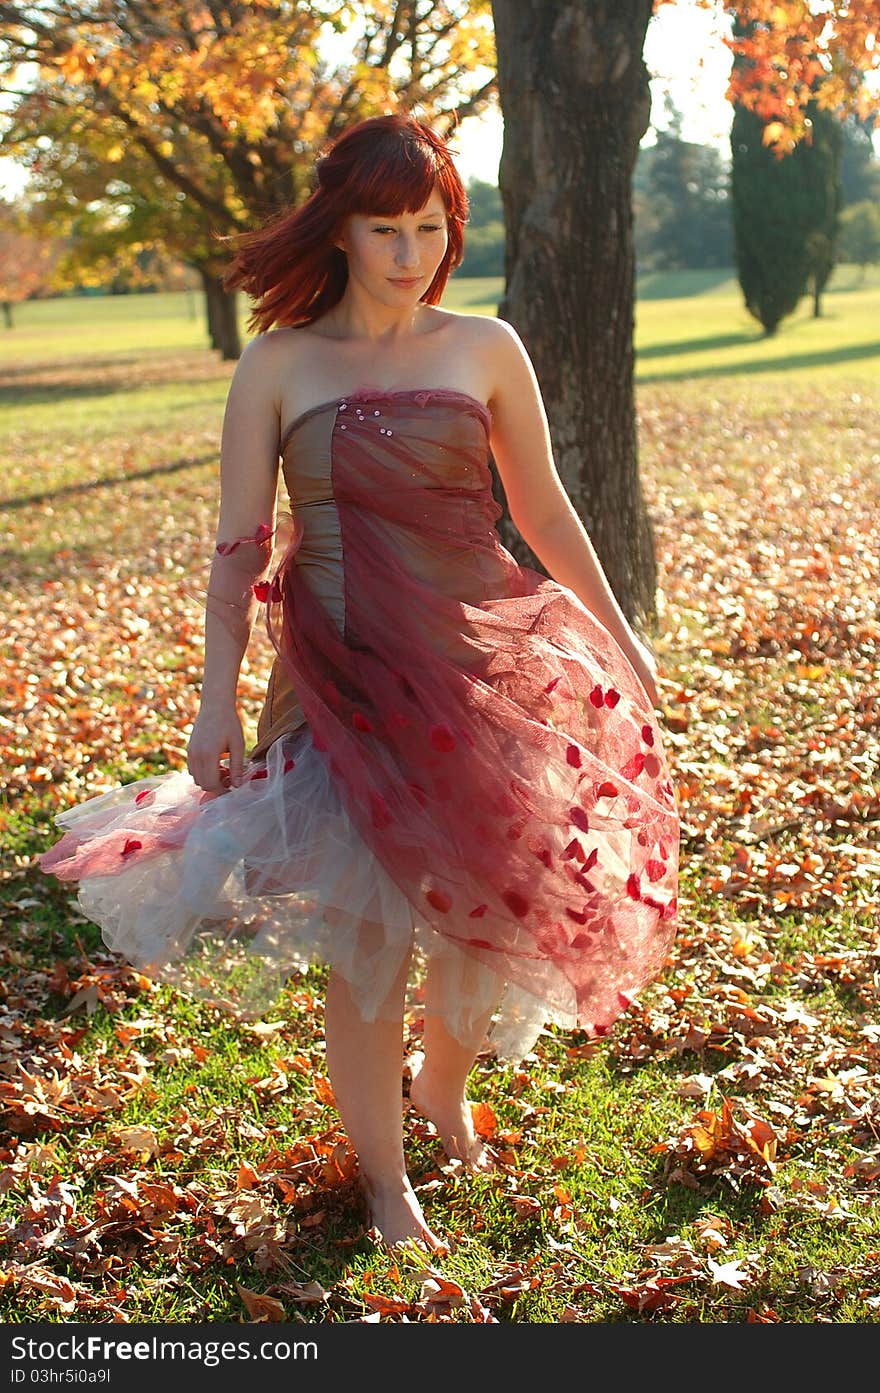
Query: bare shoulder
{"type": "Point", "coordinates": [484, 347]}
{"type": "Point", "coordinates": [268, 364]}
{"type": "Point", "coordinates": [269, 355]}
{"type": "Point", "coordinates": [506, 366]}
{"type": "Point", "coordinates": [513, 383]}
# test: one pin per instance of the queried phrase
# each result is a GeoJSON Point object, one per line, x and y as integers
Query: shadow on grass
{"type": "Point", "coordinates": [681, 285]}
{"type": "Point", "coordinates": [29, 500]}
{"type": "Point", "coordinates": [42, 382]}
{"type": "Point", "coordinates": [794, 362]}
{"type": "Point", "coordinates": [706, 345]}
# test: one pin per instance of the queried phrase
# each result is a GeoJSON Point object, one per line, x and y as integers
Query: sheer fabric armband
{"type": "Point", "coordinates": [238, 581]}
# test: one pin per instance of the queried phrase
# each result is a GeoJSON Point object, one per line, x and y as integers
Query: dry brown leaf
{"type": "Point", "coordinates": [259, 1307]}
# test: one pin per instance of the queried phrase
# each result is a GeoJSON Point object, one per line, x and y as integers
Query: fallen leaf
{"type": "Point", "coordinates": [729, 1274]}
{"type": "Point", "coordinates": [259, 1307]}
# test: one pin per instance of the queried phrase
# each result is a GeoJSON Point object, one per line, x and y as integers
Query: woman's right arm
{"type": "Point", "coordinates": [243, 550]}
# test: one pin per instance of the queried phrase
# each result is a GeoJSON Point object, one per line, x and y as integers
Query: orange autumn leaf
{"type": "Point", "coordinates": [247, 1177]}
{"type": "Point", "coordinates": [324, 1090]}
{"type": "Point", "coordinates": [484, 1120]}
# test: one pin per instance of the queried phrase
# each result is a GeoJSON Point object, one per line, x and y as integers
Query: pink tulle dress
{"type": "Point", "coordinates": [453, 755]}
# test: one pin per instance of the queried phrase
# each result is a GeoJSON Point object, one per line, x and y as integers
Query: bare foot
{"type": "Point", "coordinates": [454, 1123]}
{"type": "Point", "coordinates": [397, 1215]}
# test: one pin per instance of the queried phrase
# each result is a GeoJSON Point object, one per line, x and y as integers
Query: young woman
{"type": "Point", "coordinates": [455, 754]}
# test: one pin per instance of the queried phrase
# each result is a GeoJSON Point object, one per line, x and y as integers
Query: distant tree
{"type": "Point", "coordinates": [822, 158]}
{"type": "Point", "coordinates": [859, 239]}
{"type": "Point", "coordinates": [681, 202]}
{"type": "Point", "coordinates": [859, 166]}
{"type": "Point", "coordinates": [772, 262]}
{"type": "Point", "coordinates": [28, 257]}
{"type": "Point", "coordinates": [784, 216]}
{"type": "Point", "coordinates": [484, 242]}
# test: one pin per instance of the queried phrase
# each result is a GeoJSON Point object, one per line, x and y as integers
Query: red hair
{"type": "Point", "coordinates": [383, 166]}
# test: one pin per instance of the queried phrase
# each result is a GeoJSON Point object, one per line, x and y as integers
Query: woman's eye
{"type": "Point", "coordinates": [391, 229]}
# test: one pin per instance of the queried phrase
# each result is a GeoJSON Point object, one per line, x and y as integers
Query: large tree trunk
{"type": "Point", "coordinates": [576, 102]}
{"type": "Point", "coordinates": [221, 307]}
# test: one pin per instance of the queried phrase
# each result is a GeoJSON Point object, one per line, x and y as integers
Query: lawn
{"type": "Point", "coordinates": [716, 1158]}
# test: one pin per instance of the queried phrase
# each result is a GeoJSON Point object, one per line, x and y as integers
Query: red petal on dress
{"type": "Point", "coordinates": [516, 903]}
{"type": "Point", "coordinates": [146, 795]}
{"type": "Point", "coordinates": [583, 881]}
{"type": "Point", "coordinates": [478, 911]}
{"type": "Point", "coordinates": [440, 900]}
{"type": "Point", "coordinates": [132, 844]}
{"type": "Point", "coordinates": [442, 738]}
{"type": "Point", "coordinates": [634, 766]}
{"type": "Point", "coordinates": [607, 790]}
{"type": "Point", "coordinates": [597, 696]}
{"type": "Point", "coordinates": [573, 756]}
{"type": "Point", "coordinates": [612, 697]}
{"type": "Point", "coordinates": [360, 721]}
{"type": "Point", "coordinates": [647, 735]}
{"type": "Point", "coordinates": [578, 817]}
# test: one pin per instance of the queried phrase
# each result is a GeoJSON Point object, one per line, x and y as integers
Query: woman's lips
{"type": "Point", "coordinates": [409, 280]}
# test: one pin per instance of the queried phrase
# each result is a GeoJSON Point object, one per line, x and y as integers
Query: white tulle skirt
{"type": "Point", "coordinates": [225, 897]}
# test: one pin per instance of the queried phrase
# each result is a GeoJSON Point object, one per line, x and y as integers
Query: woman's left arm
{"type": "Point", "coordinates": [538, 503]}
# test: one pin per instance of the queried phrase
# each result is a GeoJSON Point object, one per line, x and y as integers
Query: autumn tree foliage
{"type": "Point", "coordinates": [201, 119]}
{"type": "Point", "coordinates": [790, 52]}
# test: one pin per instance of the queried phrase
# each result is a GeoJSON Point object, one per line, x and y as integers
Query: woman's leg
{"type": "Point", "coordinates": [438, 1088]}
{"type": "Point", "coordinates": [365, 1064]}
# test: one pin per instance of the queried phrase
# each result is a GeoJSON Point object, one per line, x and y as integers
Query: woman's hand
{"type": "Point", "coordinates": [217, 731]}
{"type": "Point", "coordinates": [645, 664]}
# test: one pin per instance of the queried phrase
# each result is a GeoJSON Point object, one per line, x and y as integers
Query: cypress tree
{"type": "Point", "coordinates": [785, 212]}
{"type": "Point", "coordinates": [771, 202]}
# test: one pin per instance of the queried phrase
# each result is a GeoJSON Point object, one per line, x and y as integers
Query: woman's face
{"type": "Point", "coordinates": [384, 252]}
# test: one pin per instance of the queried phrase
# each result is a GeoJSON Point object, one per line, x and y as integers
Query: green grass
{"type": "Point", "coordinates": [110, 412]}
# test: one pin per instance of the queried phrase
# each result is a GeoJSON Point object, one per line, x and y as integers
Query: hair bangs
{"type": "Point", "coordinates": [400, 178]}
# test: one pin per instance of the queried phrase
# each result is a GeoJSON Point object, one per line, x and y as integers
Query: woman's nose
{"type": "Point", "coordinates": [406, 254]}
